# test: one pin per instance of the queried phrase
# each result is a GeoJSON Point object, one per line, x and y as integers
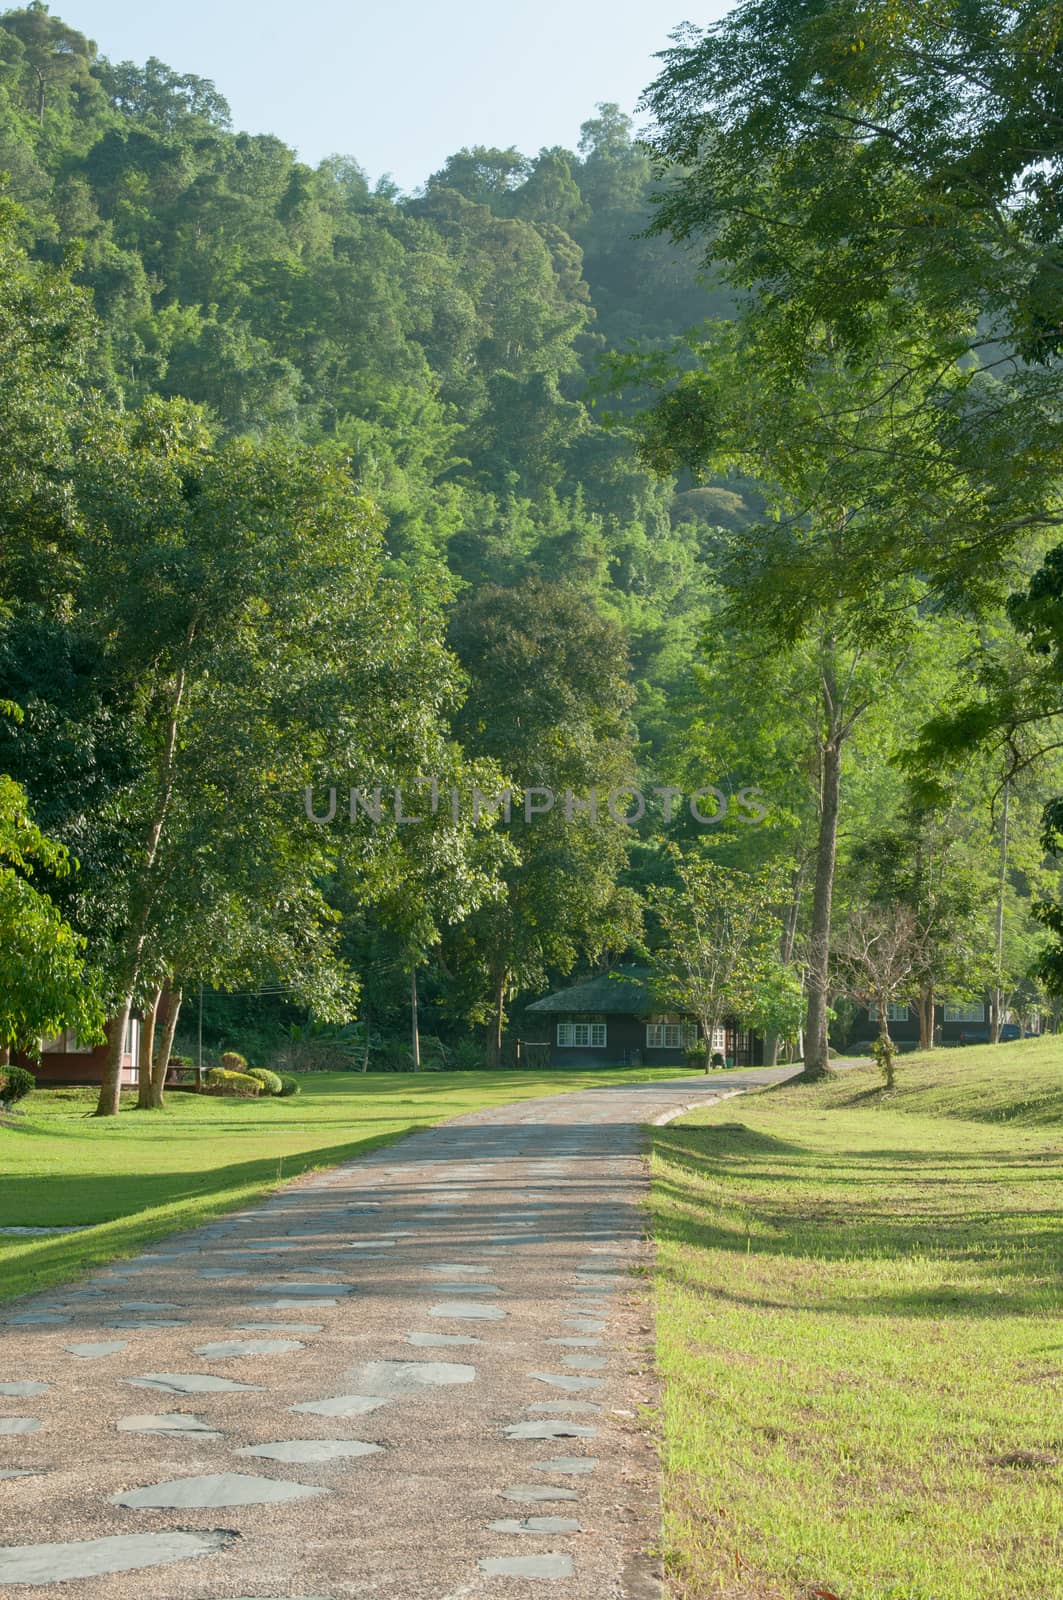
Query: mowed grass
{"type": "Point", "coordinates": [144, 1174]}
{"type": "Point", "coordinates": [860, 1331]}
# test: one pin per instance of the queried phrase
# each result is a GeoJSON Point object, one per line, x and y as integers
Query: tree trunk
{"type": "Point", "coordinates": [926, 1017]}
{"type": "Point", "coordinates": [415, 1022]}
{"type": "Point", "coordinates": [885, 1046]}
{"type": "Point", "coordinates": [110, 1097]}
{"type": "Point", "coordinates": [709, 1025]}
{"type": "Point", "coordinates": [817, 1059]}
{"type": "Point", "coordinates": [494, 1040]}
{"type": "Point", "coordinates": [147, 1051]}
{"type": "Point", "coordinates": [996, 999]}
{"type": "Point", "coordinates": [787, 942]}
{"type": "Point", "coordinates": [162, 1060]}
{"type": "Point", "coordinates": [109, 1102]}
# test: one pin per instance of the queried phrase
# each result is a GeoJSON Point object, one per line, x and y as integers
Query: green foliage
{"type": "Point", "coordinates": [271, 1081]}
{"type": "Point", "coordinates": [233, 1061]}
{"type": "Point", "coordinates": [720, 934]}
{"type": "Point", "coordinates": [289, 1086]}
{"type": "Point", "coordinates": [235, 1083]}
{"type": "Point", "coordinates": [885, 1053]}
{"type": "Point", "coordinates": [467, 1056]}
{"type": "Point", "coordinates": [15, 1084]}
{"type": "Point", "coordinates": [435, 1056]}
{"type": "Point", "coordinates": [44, 985]}
{"type": "Point", "coordinates": [269, 436]}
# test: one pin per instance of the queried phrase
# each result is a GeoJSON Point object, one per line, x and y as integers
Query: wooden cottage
{"type": "Point", "coordinates": [617, 1020]}
{"type": "Point", "coordinates": [65, 1062]}
{"type": "Point", "coordinates": [955, 1022]}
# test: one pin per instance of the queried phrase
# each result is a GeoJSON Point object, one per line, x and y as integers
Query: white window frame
{"type": "Point", "coordinates": [664, 1035]}
{"type": "Point", "coordinates": [966, 1011]}
{"type": "Point", "coordinates": [581, 1035]}
{"type": "Point", "coordinates": [898, 1011]}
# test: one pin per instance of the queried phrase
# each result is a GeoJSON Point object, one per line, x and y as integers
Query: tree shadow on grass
{"type": "Point", "coordinates": [864, 1217]}
{"type": "Point", "coordinates": [142, 1206]}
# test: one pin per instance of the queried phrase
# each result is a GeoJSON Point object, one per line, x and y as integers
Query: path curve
{"type": "Point", "coordinates": [413, 1377]}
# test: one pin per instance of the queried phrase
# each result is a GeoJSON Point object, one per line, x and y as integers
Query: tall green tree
{"type": "Point", "coordinates": [44, 984]}
{"type": "Point", "coordinates": [720, 939]}
{"type": "Point", "coordinates": [240, 589]}
{"type": "Point", "coordinates": [548, 703]}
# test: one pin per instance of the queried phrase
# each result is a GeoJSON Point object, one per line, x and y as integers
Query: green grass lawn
{"type": "Point", "coordinates": [143, 1174]}
{"type": "Point", "coordinates": [859, 1327]}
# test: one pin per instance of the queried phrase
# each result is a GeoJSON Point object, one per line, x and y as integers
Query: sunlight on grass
{"type": "Point", "coordinates": [860, 1332]}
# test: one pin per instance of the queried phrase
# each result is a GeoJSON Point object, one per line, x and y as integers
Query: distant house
{"type": "Point", "coordinates": [65, 1062]}
{"type": "Point", "coordinates": [617, 1019]}
{"type": "Point", "coordinates": [955, 1022]}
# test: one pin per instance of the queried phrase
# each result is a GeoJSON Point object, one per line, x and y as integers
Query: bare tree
{"type": "Point", "coordinates": [876, 960]}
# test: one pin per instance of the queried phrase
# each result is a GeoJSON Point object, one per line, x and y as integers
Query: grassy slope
{"type": "Point", "coordinates": [859, 1314]}
{"type": "Point", "coordinates": [144, 1174]}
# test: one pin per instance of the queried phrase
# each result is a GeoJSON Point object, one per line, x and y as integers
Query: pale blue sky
{"type": "Point", "coordinates": [401, 85]}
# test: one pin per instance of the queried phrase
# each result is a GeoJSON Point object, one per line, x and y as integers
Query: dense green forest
{"type": "Point", "coordinates": [307, 485]}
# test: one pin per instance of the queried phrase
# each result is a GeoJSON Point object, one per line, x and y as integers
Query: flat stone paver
{"type": "Point", "coordinates": [551, 1566]}
{"type": "Point", "coordinates": [43, 1565]}
{"type": "Point", "coordinates": [167, 1422]}
{"type": "Point", "coordinates": [95, 1350]}
{"type": "Point", "coordinates": [455, 1281]}
{"type": "Point", "coordinates": [311, 1450]}
{"type": "Point", "coordinates": [215, 1489]}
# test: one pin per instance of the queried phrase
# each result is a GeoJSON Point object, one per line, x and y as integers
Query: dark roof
{"type": "Point", "coordinates": [626, 991]}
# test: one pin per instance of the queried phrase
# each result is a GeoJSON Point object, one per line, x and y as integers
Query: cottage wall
{"type": "Point", "coordinates": [625, 1044]}
{"type": "Point", "coordinates": [73, 1068]}
{"type": "Point", "coordinates": [904, 1031]}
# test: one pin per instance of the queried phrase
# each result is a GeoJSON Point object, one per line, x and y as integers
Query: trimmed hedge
{"type": "Point", "coordinates": [233, 1061]}
{"type": "Point", "coordinates": [221, 1081]}
{"type": "Point", "coordinates": [15, 1084]}
{"type": "Point", "coordinates": [289, 1085]}
{"type": "Point", "coordinates": [270, 1081]}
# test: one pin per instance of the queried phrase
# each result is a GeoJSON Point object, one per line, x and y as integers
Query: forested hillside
{"type": "Point", "coordinates": [309, 484]}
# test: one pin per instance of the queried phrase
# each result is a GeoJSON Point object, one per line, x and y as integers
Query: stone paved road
{"type": "Point", "coordinates": [415, 1377]}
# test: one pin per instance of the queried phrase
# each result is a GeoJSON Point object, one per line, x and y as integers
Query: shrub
{"type": "Point", "coordinates": [233, 1061]}
{"type": "Point", "coordinates": [222, 1081]}
{"type": "Point", "coordinates": [468, 1056]}
{"type": "Point", "coordinates": [883, 1051]}
{"type": "Point", "coordinates": [270, 1081]}
{"type": "Point", "coordinates": [289, 1085]}
{"type": "Point", "coordinates": [15, 1084]}
{"type": "Point", "coordinates": [320, 1047]}
{"type": "Point", "coordinates": [393, 1057]}
{"type": "Point", "coordinates": [435, 1057]}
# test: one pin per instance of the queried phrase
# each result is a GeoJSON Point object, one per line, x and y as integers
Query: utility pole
{"type": "Point", "coordinates": [414, 1023]}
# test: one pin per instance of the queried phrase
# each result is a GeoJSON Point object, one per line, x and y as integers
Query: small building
{"type": "Point", "coordinates": [616, 1019]}
{"type": "Point", "coordinates": [955, 1022]}
{"type": "Point", "coordinates": [64, 1062]}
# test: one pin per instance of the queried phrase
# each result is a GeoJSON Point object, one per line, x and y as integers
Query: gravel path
{"type": "Point", "coordinates": [415, 1377]}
